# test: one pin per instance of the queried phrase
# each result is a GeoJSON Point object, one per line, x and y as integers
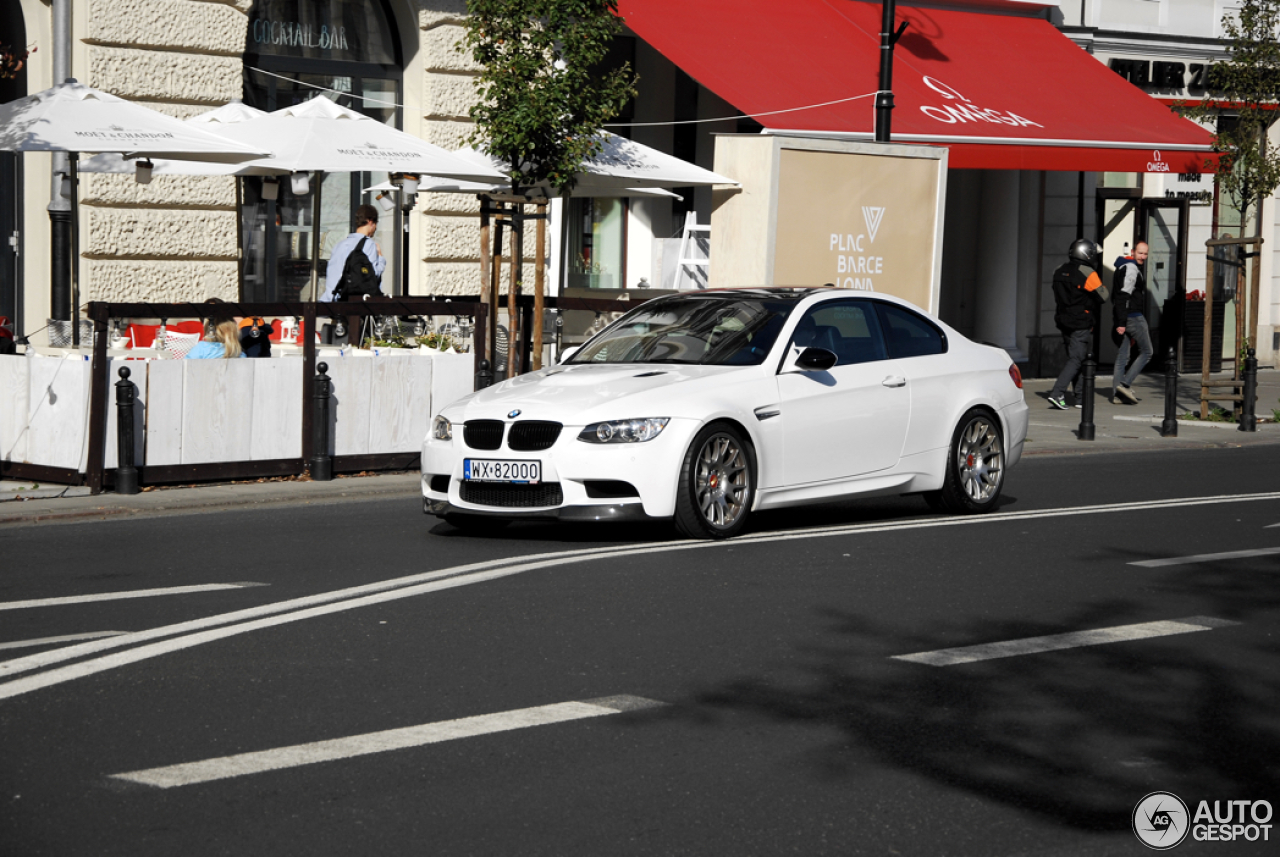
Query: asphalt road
{"type": "Point", "coordinates": [391, 686]}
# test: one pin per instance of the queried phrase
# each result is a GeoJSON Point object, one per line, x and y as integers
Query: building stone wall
{"type": "Point", "coordinates": [174, 239]}
{"type": "Point", "coordinates": [448, 241]}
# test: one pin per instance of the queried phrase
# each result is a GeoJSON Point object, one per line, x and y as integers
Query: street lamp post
{"type": "Point", "coordinates": [884, 97]}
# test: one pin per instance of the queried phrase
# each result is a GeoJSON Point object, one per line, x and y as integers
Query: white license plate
{"type": "Point", "coordinates": [500, 470]}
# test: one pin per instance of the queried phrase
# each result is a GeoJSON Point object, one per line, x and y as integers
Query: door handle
{"type": "Point", "coordinates": [894, 381]}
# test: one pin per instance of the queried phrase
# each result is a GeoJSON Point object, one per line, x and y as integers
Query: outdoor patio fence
{"type": "Point", "coordinates": [219, 420]}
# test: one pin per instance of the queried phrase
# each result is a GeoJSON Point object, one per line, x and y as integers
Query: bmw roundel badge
{"type": "Point", "coordinates": [513, 414]}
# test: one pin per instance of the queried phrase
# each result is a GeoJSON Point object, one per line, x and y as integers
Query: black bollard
{"type": "Point", "coordinates": [1169, 428]}
{"type": "Point", "coordinates": [1086, 396]}
{"type": "Point", "coordinates": [126, 472]}
{"type": "Point", "coordinates": [484, 377]}
{"type": "Point", "coordinates": [321, 461]}
{"type": "Point", "coordinates": [1248, 414]}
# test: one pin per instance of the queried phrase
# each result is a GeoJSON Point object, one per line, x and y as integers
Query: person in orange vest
{"type": "Point", "coordinates": [1078, 296]}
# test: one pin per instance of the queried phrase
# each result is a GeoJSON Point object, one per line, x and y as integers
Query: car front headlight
{"type": "Point", "coordinates": [442, 429]}
{"type": "Point", "coordinates": [624, 431]}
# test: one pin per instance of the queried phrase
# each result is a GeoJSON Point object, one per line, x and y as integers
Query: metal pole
{"type": "Point", "coordinates": [484, 375]}
{"type": "Point", "coordinates": [59, 206]}
{"type": "Point", "coordinates": [1248, 417]}
{"type": "Point", "coordinates": [1169, 428]}
{"type": "Point", "coordinates": [126, 472]}
{"type": "Point", "coordinates": [321, 461]}
{"type": "Point", "coordinates": [539, 288]}
{"type": "Point", "coordinates": [73, 160]}
{"type": "Point", "coordinates": [884, 98]}
{"type": "Point", "coordinates": [1086, 405]}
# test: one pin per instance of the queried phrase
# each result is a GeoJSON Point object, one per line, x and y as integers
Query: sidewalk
{"type": "Point", "coordinates": [1117, 428]}
{"type": "Point", "coordinates": [1137, 427]}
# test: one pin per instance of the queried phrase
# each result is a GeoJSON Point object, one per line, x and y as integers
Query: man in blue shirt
{"type": "Point", "coordinates": [366, 226]}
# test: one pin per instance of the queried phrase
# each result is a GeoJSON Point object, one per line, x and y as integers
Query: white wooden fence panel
{"type": "Point", "coordinates": [400, 403]}
{"type": "Point", "coordinates": [15, 394]}
{"type": "Point", "coordinates": [276, 422]}
{"type": "Point", "coordinates": [164, 411]}
{"type": "Point", "coordinates": [352, 387]}
{"type": "Point", "coordinates": [453, 377]}
{"type": "Point", "coordinates": [217, 402]}
{"type": "Point", "coordinates": [58, 411]}
{"type": "Point", "coordinates": [202, 411]}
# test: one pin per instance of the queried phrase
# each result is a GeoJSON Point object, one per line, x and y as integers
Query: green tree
{"type": "Point", "coordinates": [543, 93]}
{"type": "Point", "coordinates": [1248, 85]}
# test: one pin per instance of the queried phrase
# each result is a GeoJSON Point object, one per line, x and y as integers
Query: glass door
{"type": "Point", "coordinates": [1164, 228]}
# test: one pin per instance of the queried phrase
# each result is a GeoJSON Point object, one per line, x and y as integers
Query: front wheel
{"type": "Point", "coordinates": [974, 469]}
{"type": "Point", "coordinates": [717, 485]}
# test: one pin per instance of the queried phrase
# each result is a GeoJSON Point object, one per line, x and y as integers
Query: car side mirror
{"type": "Point", "coordinates": [567, 353]}
{"type": "Point", "coordinates": [815, 360]}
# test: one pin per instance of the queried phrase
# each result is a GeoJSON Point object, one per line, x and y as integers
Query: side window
{"type": "Point", "coordinates": [847, 328]}
{"type": "Point", "coordinates": [910, 334]}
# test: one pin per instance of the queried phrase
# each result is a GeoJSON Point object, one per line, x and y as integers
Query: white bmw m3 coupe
{"type": "Point", "coordinates": [704, 407]}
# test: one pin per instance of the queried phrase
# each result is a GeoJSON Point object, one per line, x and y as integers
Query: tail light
{"type": "Point", "coordinates": [1015, 375]}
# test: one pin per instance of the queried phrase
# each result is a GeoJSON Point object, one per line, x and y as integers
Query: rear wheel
{"type": "Point", "coordinates": [717, 485]}
{"type": "Point", "coordinates": [975, 467]}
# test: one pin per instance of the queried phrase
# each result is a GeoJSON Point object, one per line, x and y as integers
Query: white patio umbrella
{"type": "Point", "coordinates": [621, 164]}
{"type": "Point", "coordinates": [321, 136]}
{"type": "Point", "coordinates": [214, 121]}
{"type": "Point", "coordinates": [74, 118]}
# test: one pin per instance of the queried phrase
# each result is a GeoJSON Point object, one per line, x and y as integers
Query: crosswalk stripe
{"type": "Point", "coordinates": [1055, 642]}
{"type": "Point", "coordinates": [1205, 557]}
{"type": "Point", "coordinates": [68, 638]}
{"type": "Point", "coordinates": [117, 596]}
{"type": "Point", "coordinates": [281, 758]}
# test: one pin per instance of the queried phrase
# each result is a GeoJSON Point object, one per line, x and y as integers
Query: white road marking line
{"type": "Point", "coordinates": [1205, 557]}
{"type": "Point", "coordinates": [69, 638]}
{"type": "Point", "coordinates": [117, 596]}
{"type": "Point", "coordinates": [205, 630]}
{"type": "Point", "coordinates": [1056, 642]}
{"type": "Point", "coordinates": [1271, 526]}
{"type": "Point", "coordinates": [281, 758]}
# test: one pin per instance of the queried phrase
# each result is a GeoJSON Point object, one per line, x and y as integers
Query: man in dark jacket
{"type": "Point", "coordinates": [1129, 319]}
{"type": "Point", "coordinates": [1078, 293]}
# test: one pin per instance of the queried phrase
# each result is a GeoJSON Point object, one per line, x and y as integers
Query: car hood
{"type": "Point", "coordinates": [588, 392]}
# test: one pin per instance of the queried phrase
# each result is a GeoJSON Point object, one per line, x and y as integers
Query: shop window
{"type": "Point", "coordinates": [1115, 180]}
{"type": "Point", "coordinates": [597, 243]}
{"type": "Point", "coordinates": [297, 50]}
{"type": "Point", "coordinates": [334, 30]}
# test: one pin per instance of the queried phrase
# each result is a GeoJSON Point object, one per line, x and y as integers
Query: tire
{"type": "Point", "coordinates": [475, 524]}
{"type": "Point", "coordinates": [974, 474]}
{"type": "Point", "coordinates": [717, 484]}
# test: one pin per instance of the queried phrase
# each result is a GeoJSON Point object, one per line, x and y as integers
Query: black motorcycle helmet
{"type": "Point", "coordinates": [1085, 252]}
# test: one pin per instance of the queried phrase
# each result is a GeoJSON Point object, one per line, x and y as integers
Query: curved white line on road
{"type": "Point", "coordinates": [186, 635]}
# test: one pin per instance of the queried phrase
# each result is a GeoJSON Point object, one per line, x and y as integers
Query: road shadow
{"type": "Point", "coordinates": [1076, 736]}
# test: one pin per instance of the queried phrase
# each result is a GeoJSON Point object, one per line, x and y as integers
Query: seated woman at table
{"type": "Point", "coordinates": [221, 339]}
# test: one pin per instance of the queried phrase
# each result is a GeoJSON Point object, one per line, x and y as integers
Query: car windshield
{"type": "Point", "coordinates": [712, 330]}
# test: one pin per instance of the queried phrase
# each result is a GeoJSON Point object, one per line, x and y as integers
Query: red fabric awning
{"type": "Point", "coordinates": [1001, 91]}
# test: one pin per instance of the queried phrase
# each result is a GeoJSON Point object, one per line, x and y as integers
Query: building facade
{"type": "Point", "coordinates": [189, 238]}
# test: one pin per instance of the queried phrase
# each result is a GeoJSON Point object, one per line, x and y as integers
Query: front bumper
{"type": "Point", "coordinates": [614, 512]}
{"type": "Point", "coordinates": [652, 468]}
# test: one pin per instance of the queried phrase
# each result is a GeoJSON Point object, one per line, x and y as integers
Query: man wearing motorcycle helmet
{"type": "Point", "coordinates": [1078, 293]}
